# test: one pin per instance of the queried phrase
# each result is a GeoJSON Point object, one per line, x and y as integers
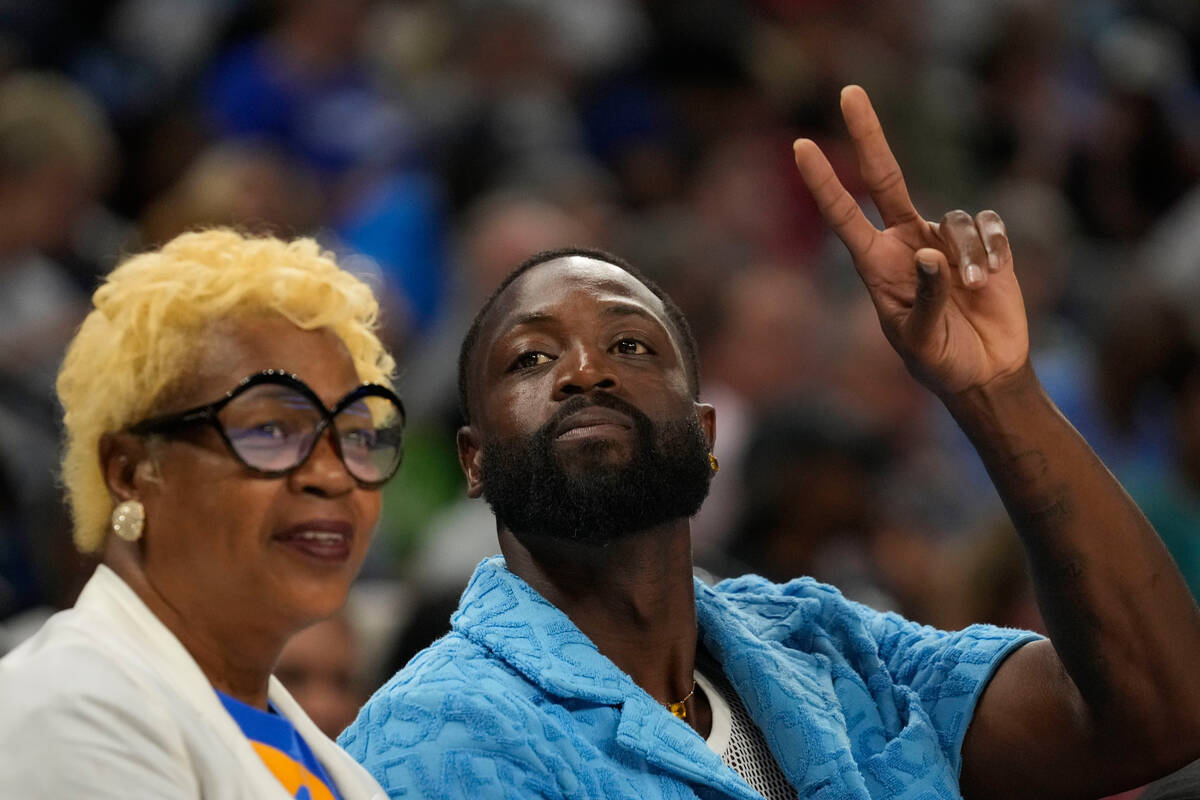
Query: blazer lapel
{"type": "Point", "coordinates": [173, 664]}
{"type": "Point", "coordinates": [353, 782]}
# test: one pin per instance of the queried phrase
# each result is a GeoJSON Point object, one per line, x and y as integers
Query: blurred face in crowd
{"type": "Point", "coordinates": [224, 543]}
{"type": "Point", "coordinates": [584, 425]}
{"type": "Point", "coordinates": [43, 204]}
{"type": "Point", "coordinates": [319, 668]}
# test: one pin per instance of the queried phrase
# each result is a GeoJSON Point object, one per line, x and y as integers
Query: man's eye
{"type": "Point", "coordinates": [631, 347]}
{"type": "Point", "coordinates": [529, 359]}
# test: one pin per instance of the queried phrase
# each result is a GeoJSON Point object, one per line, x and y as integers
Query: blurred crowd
{"type": "Point", "coordinates": [434, 144]}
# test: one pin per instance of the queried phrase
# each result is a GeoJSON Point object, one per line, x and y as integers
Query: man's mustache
{"type": "Point", "coordinates": [594, 399]}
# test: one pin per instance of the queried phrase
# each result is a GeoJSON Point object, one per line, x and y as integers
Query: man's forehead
{"type": "Point", "coordinates": [542, 287]}
{"type": "Point", "coordinates": [538, 294]}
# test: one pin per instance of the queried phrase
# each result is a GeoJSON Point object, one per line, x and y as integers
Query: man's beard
{"type": "Point", "coordinates": [533, 494]}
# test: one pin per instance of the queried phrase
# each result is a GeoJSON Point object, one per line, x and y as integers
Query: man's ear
{"type": "Point", "coordinates": [469, 456]}
{"type": "Point", "coordinates": [707, 415]}
{"type": "Point", "coordinates": [125, 464]}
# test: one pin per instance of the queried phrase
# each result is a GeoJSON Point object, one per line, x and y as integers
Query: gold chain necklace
{"type": "Point", "coordinates": [679, 707]}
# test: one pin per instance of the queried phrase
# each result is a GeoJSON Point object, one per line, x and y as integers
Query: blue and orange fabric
{"type": "Point", "coordinates": [280, 747]}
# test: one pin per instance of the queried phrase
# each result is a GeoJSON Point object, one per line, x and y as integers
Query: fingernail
{"type": "Point", "coordinates": [927, 268]}
{"type": "Point", "coordinates": [993, 262]}
{"type": "Point", "coordinates": [972, 275]}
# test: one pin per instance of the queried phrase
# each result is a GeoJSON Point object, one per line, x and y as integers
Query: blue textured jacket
{"type": "Point", "coordinates": [516, 702]}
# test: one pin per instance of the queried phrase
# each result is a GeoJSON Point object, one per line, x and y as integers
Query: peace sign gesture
{"type": "Point", "coordinates": [945, 291]}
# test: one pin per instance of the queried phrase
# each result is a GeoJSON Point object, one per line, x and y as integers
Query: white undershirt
{"type": "Point", "coordinates": [738, 741]}
{"type": "Point", "coordinates": [718, 735]}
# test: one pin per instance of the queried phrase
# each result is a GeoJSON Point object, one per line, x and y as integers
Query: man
{"type": "Point", "coordinates": [585, 661]}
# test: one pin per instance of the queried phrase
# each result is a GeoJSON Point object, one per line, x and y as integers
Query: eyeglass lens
{"type": "Point", "coordinates": [272, 429]}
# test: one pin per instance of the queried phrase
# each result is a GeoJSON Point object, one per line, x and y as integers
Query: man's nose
{"type": "Point", "coordinates": [582, 369]}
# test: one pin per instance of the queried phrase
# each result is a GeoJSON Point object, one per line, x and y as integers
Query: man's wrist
{"type": "Point", "coordinates": [1005, 400]}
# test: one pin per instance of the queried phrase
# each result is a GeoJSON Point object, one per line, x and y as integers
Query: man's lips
{"type": "Point", "coordinates": [322, 539]}
{"type": "Point", "coordinates": [590, 421]}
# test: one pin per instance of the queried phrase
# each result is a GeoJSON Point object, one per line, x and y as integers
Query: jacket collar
{"type": "Point", "coordinates": [504, 614]}
{"type": "Point", "coordinates": [788, 686]}
{"type": "Point", "coordinates": [108, 595]}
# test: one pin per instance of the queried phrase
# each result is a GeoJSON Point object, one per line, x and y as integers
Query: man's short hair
{"type": "Point", "coordinates": [683, 331]}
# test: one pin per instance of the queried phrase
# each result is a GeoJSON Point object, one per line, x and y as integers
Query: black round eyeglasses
{"type": "Point", "coordinates": [272, 421]}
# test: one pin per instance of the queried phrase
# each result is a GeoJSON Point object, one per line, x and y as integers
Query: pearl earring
{"type": "Point", "coordinates": [128, 520]}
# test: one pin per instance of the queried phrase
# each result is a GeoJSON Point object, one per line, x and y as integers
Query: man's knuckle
{"type": "Point", "coordinates": [842, 212]}
{"type": "Point", "coordinates": [888, 180]}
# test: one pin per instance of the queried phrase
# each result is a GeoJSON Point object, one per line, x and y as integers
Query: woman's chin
{"type": "Point", "coordinates": [316, 601]}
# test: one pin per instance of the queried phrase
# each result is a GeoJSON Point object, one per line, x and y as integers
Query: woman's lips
{"type": "Point", "coordinates": [324, 540]}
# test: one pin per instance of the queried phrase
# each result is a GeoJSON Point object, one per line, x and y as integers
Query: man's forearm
{"type": "Point", "coordinates": [1119, 614]}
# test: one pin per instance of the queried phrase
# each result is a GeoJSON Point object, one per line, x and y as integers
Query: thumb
{"type": "Point", "coordinates": [932, 290]}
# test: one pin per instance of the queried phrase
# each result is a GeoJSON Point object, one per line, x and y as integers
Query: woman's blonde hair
{"type": "Point", "coordinates": [148, 322]}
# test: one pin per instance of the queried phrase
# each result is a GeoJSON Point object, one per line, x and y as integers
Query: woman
{"type": "Point", "coordinates": [228, 426]}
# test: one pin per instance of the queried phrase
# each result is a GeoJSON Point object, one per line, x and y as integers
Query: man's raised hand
{"type": "Point", "coordinates": [956, 330]}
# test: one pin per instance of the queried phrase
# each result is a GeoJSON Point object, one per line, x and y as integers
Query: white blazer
{"type": "Point", "coordinates": [104, 702]}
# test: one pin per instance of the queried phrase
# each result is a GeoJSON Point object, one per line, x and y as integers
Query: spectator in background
{"type": "Point", "coordinates": [57, 153]}
{"type": "Point", "coordinates": [985, 578]}
{"type": "Point", "coordinates": [761, 345]}
{"type": "Point", "coordinates": [1139, 341]}
{"type": "Point", "coordinates": [810, 478]}
{"type": "Point", "coordinates": [297, 88]}
{"type": "Point", "coordinates": [297, 85]}
{"type": "Point", "coordinates": [253, 187]}
{"type": "Point", "coordinates": [1135, 161]}
{"type": "Point", "coordinates": [1172, 504]}
{"type": "Point", "coordinates": [321, 667]}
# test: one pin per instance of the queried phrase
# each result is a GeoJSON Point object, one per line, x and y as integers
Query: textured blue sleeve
{"type": "Point", "coordinates": [948, 670]}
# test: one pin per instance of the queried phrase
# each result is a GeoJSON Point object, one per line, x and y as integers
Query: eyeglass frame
{"type": "Point", "coordinates": [207, 414]}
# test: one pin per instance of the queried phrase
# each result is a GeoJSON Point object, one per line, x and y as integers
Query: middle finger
{"type": "Point", "coordinates": [964, 247]}
{"type": "Point", "coordinates": [878, 165]}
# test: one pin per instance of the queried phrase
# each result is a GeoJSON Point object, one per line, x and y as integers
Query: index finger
{"type": "Point", "coordinates": [836, 205]}
{"type": "Point", "coordinates": [878, 166]}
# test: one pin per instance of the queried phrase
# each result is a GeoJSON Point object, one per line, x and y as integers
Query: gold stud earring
{"type": "Point", "coordinates": [128, 520]}
{"type": "Point", "coordinates": [712, 463]}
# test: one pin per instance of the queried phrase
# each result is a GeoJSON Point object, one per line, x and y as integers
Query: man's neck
{"type": "Point", "coordinates": [634, 598]}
